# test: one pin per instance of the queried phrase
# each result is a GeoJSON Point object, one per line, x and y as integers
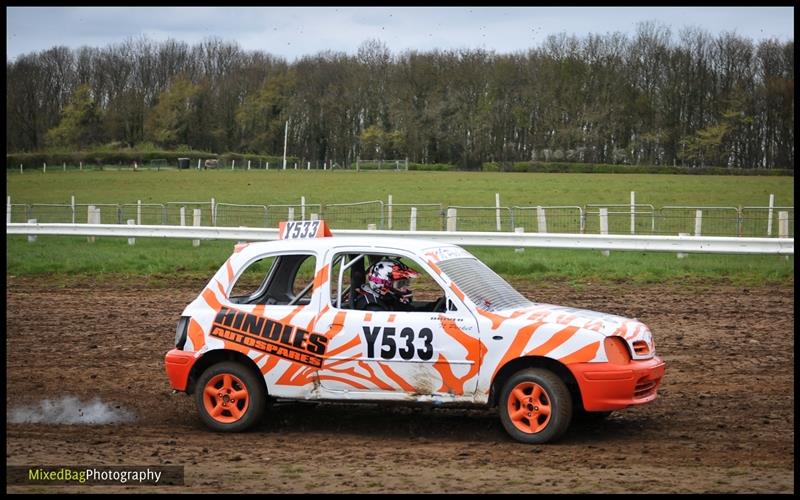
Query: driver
{"type": "Point", "coordinates": [387, 287]}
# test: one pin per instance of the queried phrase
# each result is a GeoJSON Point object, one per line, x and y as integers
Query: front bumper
{"type": "Point", "coordinates": [607, 386]}
{"type": "Point", "coordinates": [178, 365]}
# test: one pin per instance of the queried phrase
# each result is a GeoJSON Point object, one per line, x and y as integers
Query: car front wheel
{"type": "Point", "coordinates": [535, 406]}
{"type": "Point", "coordinates": [229, 397]}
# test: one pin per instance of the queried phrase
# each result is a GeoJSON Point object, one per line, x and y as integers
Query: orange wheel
{"type": "Point", "coordinates": [230, 397]}
{"type": "Point", "coordinates": [225, 398]}
{"type": "Point", "coordinates": [535, 406]}
{"type": "Point", "coordinates": [529, 407]}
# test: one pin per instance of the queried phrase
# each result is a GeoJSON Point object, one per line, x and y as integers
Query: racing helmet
{"type": "Point", "coordinates": [390, 277]}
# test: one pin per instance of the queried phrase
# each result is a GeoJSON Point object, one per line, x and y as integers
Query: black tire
{"type": "Point", "coordinates": [235, 415]}
{"type": "Point", "coordinates": [531, 425]}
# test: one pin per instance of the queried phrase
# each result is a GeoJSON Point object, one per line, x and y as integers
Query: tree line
{"type": "Point", "coordinates": [690, 99]}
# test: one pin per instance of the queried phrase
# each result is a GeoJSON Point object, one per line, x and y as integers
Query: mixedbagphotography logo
{"type": "Point", "coordinates": [147, 475]}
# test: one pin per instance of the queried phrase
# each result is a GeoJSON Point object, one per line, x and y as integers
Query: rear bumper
{"type": "Point", "coordinates": [178, 365]}
{"type": "Point", "coordinates": [606, 386]}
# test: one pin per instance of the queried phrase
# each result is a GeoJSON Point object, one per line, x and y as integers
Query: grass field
{"type": "Point", "coordinates": [160, 258]}
{"type": "Point", "coordinates": [447, 188]}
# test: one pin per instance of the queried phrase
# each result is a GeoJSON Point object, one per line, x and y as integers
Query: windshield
{"type": "Point", "coordinates": [483, 286]}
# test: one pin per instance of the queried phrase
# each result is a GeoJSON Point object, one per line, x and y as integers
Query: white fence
{"type": "Point", "coordinates": [654, 243]}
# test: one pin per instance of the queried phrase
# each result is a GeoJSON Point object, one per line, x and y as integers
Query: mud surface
{"type": "Point", "coordinates": [723, 422]}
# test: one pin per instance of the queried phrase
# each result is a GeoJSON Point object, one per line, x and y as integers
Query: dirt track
{"type": "Point", "coordinates": [724, 420]}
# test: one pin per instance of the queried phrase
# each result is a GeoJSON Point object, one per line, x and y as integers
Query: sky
{"type": "Point", "coordinates": [292, 32]}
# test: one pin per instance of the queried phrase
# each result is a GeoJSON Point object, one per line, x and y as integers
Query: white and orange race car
{"type": "Point", "coordinates": [281, 319]}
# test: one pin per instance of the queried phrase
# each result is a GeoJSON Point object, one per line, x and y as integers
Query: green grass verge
{"type": "Point", "coordinates": [170, 259]}
{"type": "Point", "coordinates": [448, 188]}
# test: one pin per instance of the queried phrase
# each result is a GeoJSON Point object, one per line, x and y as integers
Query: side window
{"type": "Point", "coordinates": [284, 280]}
{"type": "Point", "coordinates": [305, 276]}
{"type": "Point", "coordinates": [252, 280]}
{"type": "Point", "coordinates": [426, 294]}
{"type": "Point", "coordinates": [353, 273]}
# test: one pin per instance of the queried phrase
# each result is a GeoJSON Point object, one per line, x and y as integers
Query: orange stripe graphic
{"type": "Point", "coordinates": [322, 277]}
{"type": "Point", "coordinates": [520, 341]}
{"type": "Point", "coordinates": [434, 267]}
{"type": "Point", "coordinates": [582, 355]}
{"type": "Point", "coordinates": [272, 361]}
{"type": "Point", "coordinates": [197, 335]}
{"type": "Point", "coordinates": [316, 317]}
{"type": "Point", "coordinates": [496, 319]}
{"type": "Point", "coordinates": [343, 380]}
{"type": "Point", "coordinates": [553, 342]}
{"type": "Point", "coordinates": [230, 270]}
{"type": "Point", "coordinates": [457, 291]}
{"type": "Point", "coordinates": [291, 315]}
{"type": "Point", "coordinates": [211, 299]}
{"type": "Point", "coordinates": [397, 378]}
{"type": "Point", "coordinates": [374, 379]}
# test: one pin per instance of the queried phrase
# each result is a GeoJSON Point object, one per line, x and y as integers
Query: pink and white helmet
{"type": "Point", "coordinates": [390, 276]}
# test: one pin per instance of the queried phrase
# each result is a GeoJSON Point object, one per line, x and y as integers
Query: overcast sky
{"type": "Point", "coordinates": [292, 32]}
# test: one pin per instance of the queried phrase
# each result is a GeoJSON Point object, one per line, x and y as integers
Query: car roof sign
{"type": "Point", "coordinates": [302, 229]}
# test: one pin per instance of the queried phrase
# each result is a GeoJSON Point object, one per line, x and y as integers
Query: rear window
{"type": "Point", "coordinates": [483, 286]}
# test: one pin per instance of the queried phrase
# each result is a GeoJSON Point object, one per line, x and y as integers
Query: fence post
{"type": "Point", "coordinates": [372, 227]}
{"type": "Point", "coordinates": [413, 224]}
{"type": "Point", "coordinates": [783, 224]}
{"type": "Point", "coordinates": [72, 205]}
{"type": "Point", "coordinates": [80, 163]}
{"type": "Point", "coordinates": [389, 222]}
{"type": "Point", "coordinates": [183, 216]}
{"type": "Point", "coordinates": [198, 164]}
{"type": "Point", "coordinates": [314, 216]}
{"type": "Point", "coordinates": [682, 255]}
{"type": "Point", "coordinates": [633, 210]}
{"type": "Point", "coordinates": [698, 222]}
{"type": "Point", "coordinates": [213, 212]}
{"type": "Point", "coordinates": [604, 227]}
{"type": "Point", "coordinates": [248, 164]}
{"type": "Point", "coordinates": [131, 241]}
{"type": "Point", "coordinates": [582, 217]}
{"type": "Point", "coordinates": [769, 214]}
{"type": "Point", "coordinates": [451, 219]}
{"type": "Point", "coordinates": [44, 167]}
{"type": "Point", "coordinates": [8, 210]}
{"type": "Point", "coordinates": [197, 215]}
{"type": "Point", "coordinates": [497, 211]}
{"type": "Point", "coordinates": [92, 217]}
{"type": "Point", "coordinates": [233, 164]}
{"type": "Point", "coordinates": [31, 237]}
{"type": "Point", "coordinates": [139, 212]}
{"type": "Point", "coordinates": [65, 166]}
{"type": "Point", "coordinates": [302, 208]}
{"type": "Point", "coordinates": [739, 222]}
{"type": "Point", "coordinates": [542, 220]}
{"type": "Point", "coordinates": [20, 168]}
{"type": "Point", "coordinates": [356, 164]}
{"type": "Point", "coordinates": [290, 215]}
{"type": "Point", "coordinates": [520, 230]}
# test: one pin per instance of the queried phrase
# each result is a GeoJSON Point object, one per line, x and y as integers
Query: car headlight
{"type": "Point", "coordinates": [617, 350]}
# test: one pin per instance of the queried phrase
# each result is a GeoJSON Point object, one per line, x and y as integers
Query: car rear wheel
{"type": "Point", "coordinates": [535, 406]}
{"type": "Point", "coordinates": [229, 397]}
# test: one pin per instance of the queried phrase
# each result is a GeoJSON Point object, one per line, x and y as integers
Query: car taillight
{"type": "Point", "coordinates": [617, 350]}
{"type": "Point", "coordinates": [180, 332]}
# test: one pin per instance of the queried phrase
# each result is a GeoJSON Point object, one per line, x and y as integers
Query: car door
{"type": "Point", "coordinates": [383, 354]}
